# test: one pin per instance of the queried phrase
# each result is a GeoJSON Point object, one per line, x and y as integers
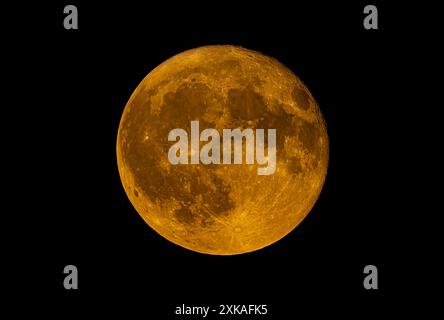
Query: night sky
{"type": "Point", "coordinates": [363, 215]}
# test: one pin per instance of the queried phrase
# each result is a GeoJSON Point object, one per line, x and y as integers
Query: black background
{"type": "Point", "coordinates": [358, 77]}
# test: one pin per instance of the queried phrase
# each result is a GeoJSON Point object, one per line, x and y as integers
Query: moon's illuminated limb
{"type": "Point", "coordinates": [222, 209]}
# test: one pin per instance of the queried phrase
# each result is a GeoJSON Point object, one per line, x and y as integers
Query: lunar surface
{"type": "Point", "coordinates": [222, 209]}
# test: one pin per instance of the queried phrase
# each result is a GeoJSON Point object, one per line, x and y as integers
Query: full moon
{"type": "Point", "coordinates": [222, 209]}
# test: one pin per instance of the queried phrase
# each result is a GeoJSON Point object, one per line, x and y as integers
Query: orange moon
{"type": "Point", "coordinates": [222, 209]}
